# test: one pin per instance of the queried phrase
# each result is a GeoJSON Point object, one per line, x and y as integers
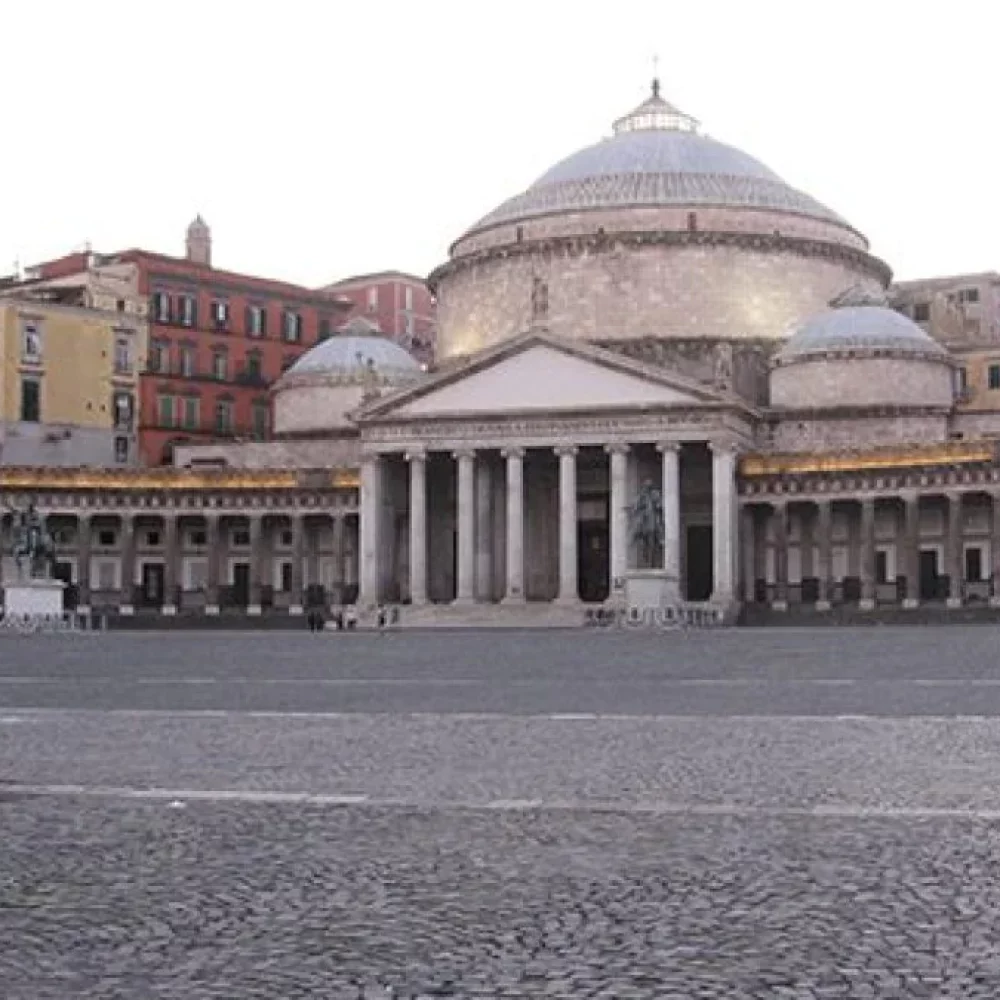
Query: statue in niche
{"type": "Point", "coordinates": [369, 377]}
{"type": "Point", "coordinates": [722, 375]}
{"type": "Point", "coordinates": [539, 299]}
{"type": "Point", "coordinates": [645, 518]}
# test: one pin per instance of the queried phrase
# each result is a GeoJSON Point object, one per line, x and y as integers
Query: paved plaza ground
{"type": "Point", "coordinates": [758, 814]}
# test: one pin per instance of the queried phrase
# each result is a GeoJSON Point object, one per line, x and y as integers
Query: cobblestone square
{"type": "Point", "coordinates": [735, 814]}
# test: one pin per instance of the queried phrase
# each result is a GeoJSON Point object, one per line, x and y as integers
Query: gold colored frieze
{"type": "Point", "coordinates": [951, 453]}
{"type": "Point", "coordinates": [172, 479]}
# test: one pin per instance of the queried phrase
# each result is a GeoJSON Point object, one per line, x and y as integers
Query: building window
{"type": "Point", "coordinates": [692, 222]}
{"type": "Point", "coordinates": [241, 538]}
{"type": "Point", "coordinates": [198, 537]}
{"type": "Point", "coordinates": [120, 305]}
{"type": "Point", "coordinates": [106, 538]}
{"type": "Point", "coordinates": [253, 368]}
{"type": "Point", "coordinates": [974, 565]}
{"type": "Point", "coordinates": [123, 355]}
{"type": "Point", "coordinates": [31, 400]}
{"type": "Point", "coordinates": [963, 380]}
{"type": "Point", "coordinates": [324, 328]}
{"type": "Point", "coordinates": [881, 566]}
{"type": "Point", "coordinates": [519, 234]}
{"type": "Point", "coordinates": [152, 538]}
{"type": "Point", "coordinates": [408, 298]}
{"type": "Point", "coordinates": [373, 300]}
{"type": "Point", "coordinates": [220, 315]}
{"type": "Point", "coordinates": [123, 408]}
{"type": "Point", "coordinates": [220, 366]}
{"type": "Point", "coordinates": [260, 414]}
{"type": "Point", "coordinates": [286, 538]}
{"type": "Point", "coordinates": [165, 411]}
{"type": "Point", "coordinates": [192, 412]}
{"type": "Point", "coordinates": [159, 357]}
{"type": "Point", "coordinates": [187, 310]}
{"type": "Point", "coordinates": [256, 321]}
{"type": "Point", "coordinates": [187, 362]}
{"type": "Point", "coordinates": [922, 312]}
{"type": "Point", "coordinates": [31, 343]}
{"type": "Point", "coordinates": [121, 450]}
{"type": "Point", "coordinates": [161, 307]}
{"type": "Point", "coordinates": [224, 416]}
{"type": "Point", "coordinates": [993, 376]}
{"type": "Point", "coordinates": [286, 577]}
{"type": "Point", "coordinates": [291, 327]}
{"type": "Point", "coordinates": [969, 295]}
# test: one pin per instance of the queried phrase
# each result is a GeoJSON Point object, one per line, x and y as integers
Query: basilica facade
{"type": "Point", "coordinates": [658, 315]}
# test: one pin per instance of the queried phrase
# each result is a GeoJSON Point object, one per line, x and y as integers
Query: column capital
{"type": "Point", "coordinates": [663, 447]}
{"type": "Point", "coordinates": [723, 446]}
{"type": "Point", "coordinates": [416, 455]}
{"type": "Point", "coordinates": [515, 451]}
{"type": "Point", "coordinates": [617, 448]}
{"type": "Point", "coordinates": [468, 454]}
{"type": "Point", "coordinates": [568, 450]}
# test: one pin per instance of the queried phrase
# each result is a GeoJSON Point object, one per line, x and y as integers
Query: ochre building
{"type": "Point", "coordinates": [658, 315]}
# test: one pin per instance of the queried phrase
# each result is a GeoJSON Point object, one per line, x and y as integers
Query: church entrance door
{"type": "Point", "coordinates": [593, 561]}
{"type": "Point", "coordinates": [699, 562]}
{"type": "Point", "coordinates": [241, 584]}
{"type": "Point", "coordinates": [928, 574]}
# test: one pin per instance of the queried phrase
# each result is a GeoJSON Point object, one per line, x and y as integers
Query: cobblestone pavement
{"type": "Point", "coordinates": [410, 848]}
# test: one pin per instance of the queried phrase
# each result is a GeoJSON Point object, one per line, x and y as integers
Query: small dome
{"type": "Point", "coordinates": [198, 226]}
{"type": "Point", "coordinates": [360, 356]}
{"type": "Point", "coordinates": [858, 327]}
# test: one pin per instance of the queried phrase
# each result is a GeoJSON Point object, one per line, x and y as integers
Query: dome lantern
{"type": "Point", "coordinates": [655, 113]}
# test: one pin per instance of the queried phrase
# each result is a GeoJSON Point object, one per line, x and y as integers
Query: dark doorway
{"type": "Point", "coordinates": [699, 562]}
{"type": "Point", "coordinates": [593, 561]}
{"type": "Point", "coordinates": [63, 572]}
{"type": "Point", "coordinates": [241, 584]}
{"type": "Point", "coordinates": [151, 593]}
{"type": "Point", "coordinates": [928, 574]}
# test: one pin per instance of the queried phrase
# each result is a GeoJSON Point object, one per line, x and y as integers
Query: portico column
{"type": "Point", "coordinates": [370, 514]}
{"type": "Point", "coordinates": [780, 522]}
{"type": "Point", "coordinates": [418, 526]}
{"type": "Point", "coordinates": [295, 598]}
{"type": "Point", "coordinates": [127, 564]}
{"type": "Point", "coordinates": [171, 557]}
{"type": "Point", "coordinates": [911, 550]}
{"type": "Point", "coordinates": [671, 490]}
{"type": "Point", "coordinates": [995, 552]}
{"type": "Point", "coordinates": [484, 529]}
{"type": "Point", "coordinates": [338, 585]}
{"type": "Point", "coordinates": [723, 521]}
{"type": "Point", "coordinates": [618, 516]}
{"type": "Point", "coordinates": [465, 517]}
{"type": "Point", "coordinates": [84, 535]}
{"type": "Point", "coordinates": [213, 544]}
{"type": "Point", "coordinates": [256, 563]}
{"type": "Point", "coordinates": [867, 602]}
{"type": "Point", "coordinates": [954, 553]}
{"type": "Point", "coordinates": [515, 525]}
{"type": "Point", "coordinates": [748, 540]}
{"type": "Point", "coordinates": [569, 592]}
{"type": "Point", "coordinates": [824, 571]}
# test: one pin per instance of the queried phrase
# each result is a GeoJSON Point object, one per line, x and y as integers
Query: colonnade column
{"type": "Point", "coordinates": [256, 563]}
{"type": "Point", "coordinates": [995, 553]}
{"type": "Point", "coordinates": [370, 515]}
{"type": "Point", "coordinates": [418, 526]}
{"type": "Point", "coordinates": [867, 602]}
{"type": "Point", "coordinates": [780, 521]}
{"type": "Point", "coordinates": [296, 597]}
{"type": "Point", "coordinates": [911, 549]}
{"type": "Point", "coordinates": [171, 559]}
{"type": "Point", "coordinates": [338, 585]}
{"type": "Point", "coordinates": [954, 552]}
{"type": "Point", "coordinates": [127, 564]}
{"type": "Point", "coordinates": [515, 525]}
{"type": "Point", "coordinates": [824, 571]}
{"type": "Point", "coordinates": [569, 591]}
{"type": "Point", "coordinates": [466, 520]}
{"type": "Point", "coordinates": [484, 529]}
{"type": "Point", "coordinates": [84, 541]}
{"type": "Point", "coordinates": [213, 538]}
{"type": "Point", "coordinates": [723, 522]}
{"type": "Point", "coordinates": [671, 498]}
{"type": "Point", "coordinates": [748, 538]}
{"type": "Point", "coordinates": [618, 516]}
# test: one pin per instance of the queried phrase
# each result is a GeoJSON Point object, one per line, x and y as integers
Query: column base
{"type": "Point", "coordinates": [568, 601]}
{"type": "Point", "coordinates": [463, 602]}
{"type": "Point", "coordinates": [126, 610]}
{"type": "Point", "coordinates": [254, 610]}
{"type": "Point", "coordinates": [295, 609]}
{"type": "Point", "coordinates": [823, 605]}
{"type": "Point", "coordinates": [168, 610]}
{"type": "Point", "coordinates": [953, 602]}
{"type": "Point", "coordinates": [515, 599]}
{"type": "Point", "coordinates": [212, 609]}
{"type": "Point", "coordinates": [995, 601]}
{"type": "Point", "coordinates": [910, 603]}
{"type": "Point", "coordinates": [867, 604]}
{"type": "Point", "coordinates": [779, 605]}
{"type": "Point", "coordinates": [83, 609]}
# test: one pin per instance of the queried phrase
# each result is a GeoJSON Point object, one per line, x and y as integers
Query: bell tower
{"type": "Point", "coordinates": [199, 242]}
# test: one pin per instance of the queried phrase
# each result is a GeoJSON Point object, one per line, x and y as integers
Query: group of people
{"type": "Point", "coordinates": [346, 618]}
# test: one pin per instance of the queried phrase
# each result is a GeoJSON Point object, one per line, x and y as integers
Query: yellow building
{"type": "Point", "coordinates": [69, 369]}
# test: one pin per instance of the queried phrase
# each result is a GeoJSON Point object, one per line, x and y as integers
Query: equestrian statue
{"type": "Point", "coordinates": [32, 545]}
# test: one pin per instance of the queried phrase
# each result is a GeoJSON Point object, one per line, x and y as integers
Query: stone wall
{"type": "Point", "coordinates": [647, 291]}
{"type": "Point", "coordinates": [325, 453]}
{"type": "Point", "coordinates": [313, 406]}
{"type": "Point", "coordinates": [862, 381]}
{"type": "Point", "coordinates": [855, 433]}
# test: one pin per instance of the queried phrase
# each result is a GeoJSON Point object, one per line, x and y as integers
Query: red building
{"type": "Point", "coordinates": [399, 305]}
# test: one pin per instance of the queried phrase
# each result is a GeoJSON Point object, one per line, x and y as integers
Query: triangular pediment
{"type": "Point", "coordinates": [538, 373]}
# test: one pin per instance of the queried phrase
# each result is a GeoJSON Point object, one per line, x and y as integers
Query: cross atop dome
{"type": "Point", "coordinates": [656, 113]}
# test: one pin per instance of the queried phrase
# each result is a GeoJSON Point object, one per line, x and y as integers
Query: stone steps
{"type": "Point", "coordinates": [528, 615]}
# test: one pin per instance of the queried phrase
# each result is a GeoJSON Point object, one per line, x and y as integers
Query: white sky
{"type": "Point", "coordinates": [329, 138]}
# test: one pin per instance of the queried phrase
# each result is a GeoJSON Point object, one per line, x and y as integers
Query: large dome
{"type": "Point", "coordinates": [656, 158]}
{"type": "Point", "coordinates": [348, 356]}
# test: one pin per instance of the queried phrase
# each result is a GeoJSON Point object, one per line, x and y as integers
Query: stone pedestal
{"type": "Point", "coordinates": [33, 599]}
{"type": "Point", "coordinates": [650, 588]}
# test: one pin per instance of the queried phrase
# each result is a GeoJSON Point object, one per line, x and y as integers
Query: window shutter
{"type": "Point", "coordinates": [194, 310]}
{"type": "Point", "coordinates": [263, 321]}
{"type": "Point", "coordinates": [247, 320]}
{"type": "Point", "coordinates": [299, 325]}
